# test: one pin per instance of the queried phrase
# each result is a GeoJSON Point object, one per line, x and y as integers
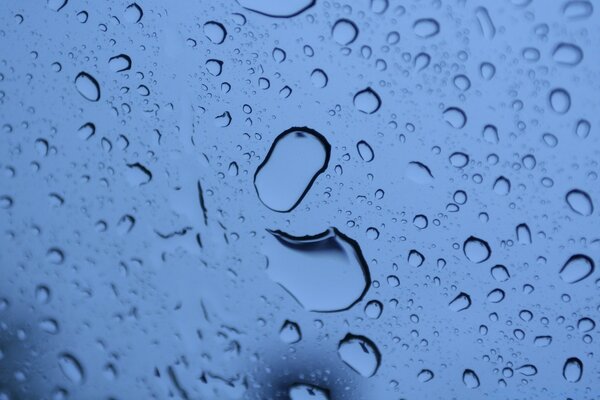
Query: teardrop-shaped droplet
{"type": "Point", "coordinates": [294, 161]}
{"type": "Point", "coordinates": [133, 13]}
{"type": "Point", "coordinates": [87, 86]}
{"type": "Point", "coordinates": [360, 354]}
{"type": "Point", "coordinates": [580, 202]}
{"type": "Point", "coordinates": [577, 268]}
{"type": "Point", "coordinates": [500, 273]}
{"type": "Point", "coordinates": [502, 186]}
{"type": "Point", "coordinates": [326, 272]}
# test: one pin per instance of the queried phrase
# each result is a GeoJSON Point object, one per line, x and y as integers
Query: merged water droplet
{"type": "Point", "coordinates": [326, 272]}
{"type": "Point", "coordinates": [294, 161]}
{"type": "Point", "coordinates": [87, 86]}
{"type": "Point", "coordinates": [360, 354]}
{"type": "Point", "coordinates": [367, 101]}
{"type": "Point", "coordinates": [344, 31]}
{"type": "Point", "coordinates": [455, 117]}
{"type": "Point", "coordinates": [276, 8]}
{"type": "Point", "coordinates": [577, 268]}
{"type": "Point", "coordinates": [476, 250]}
{"type": "Point", "coordinates": [580, 202]}
{"type": "Point", "coordinates": [573, 370]}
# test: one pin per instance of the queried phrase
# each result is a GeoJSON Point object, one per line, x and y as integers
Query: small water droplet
{"type": "Point", "coordinates": [344, 31]}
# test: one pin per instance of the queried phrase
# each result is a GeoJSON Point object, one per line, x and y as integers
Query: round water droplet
{"type": "Point", "coordinates": [214, 67]}
{"type": "Point", "coordinates": [360, 354]}
{"type": "Point", "coordinates": [500, 273]}
{"type": "Point", "coordinates": [87, 86]}
{"type": "Point", "coordinates": [560, 101]}
{"type": "Point", "coordinates": [567, 54]}
{"type": "Point", "coordinates": [459, 160]}
{"type": "Point", "coordinates": [344, 31]}
{"type": "Point", "coordinates": [215, 32]}
{"type": "Point", "coordinates": [133, 13]}
{"type": "Point", "coordinates": [367, 101]}
{"type": "Point", "coordinates": [487, 70]}
{"type": "Point", "coordinates": [279, 55]}
{"type": "Point", "coordinates": [373, 309]}
{"type": "Point", "coordinates": [502, 186]}
{"type": "Point", "coordinates": [580, 202]}
{"type": "Point", "coordinates": [470, 379]}
{"type": "Point", "coordinates": [476, 250]}
{"type": "Point", "coordinates": [573, 370]}
{"type": "Point", "coordinates": [577, 268]}
{"type": "Point", "coordinates": [455, 117]}
{"type": "Point", "coordinates": [426, 28]}
{"type": "Point", "coordinates": [294, 161]}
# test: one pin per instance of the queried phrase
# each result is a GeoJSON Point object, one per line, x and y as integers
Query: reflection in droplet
{"type": "Point", "coordinates": [367, 101]}
{"type": "Point", "coordinates": [455, 117]}
{"type": "Point", "coordinates": [476, 250]}
{"type": "Point", "coordinates": [87, 86]}
{"type": "Point", "coordinates": [325, 272]}
{"type": "Point", "coordinates": [294, 161]}
{"type": "Point", "coordinates": [577, 268]}
{"type": "Point", "coordinates": [573, 370]}
{"type": "Point", "coordinates": [580, 202]}
{"type": "Point", "coordinates": [360, 354]}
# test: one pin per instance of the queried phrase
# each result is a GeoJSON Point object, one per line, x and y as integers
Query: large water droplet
{"type": "Point", "coordinates": [560, 100]}
{"type": "Point", "coordinates": [87, 86]}
{"type": "Point", "coordinates": [294, 161]}
{"type": "Point", "coordinates": [71, 368]}
{"type": "Point", "coordinates": [573, 370]}
{"type": "Point", "coordinates": [344, 31]}
{"type": "Point", "coordinates": [302, 391]}
{"type": "Point", "coordinates": [580, 202]}
{"type": "Point", "coordinates": [367, 101]}
{"type": "Point", "coordinates": [426, 27]}
{"type": "Point", "coordinates": [133, 13]}
{"type": "Point", "coordinates": [461, 302]}
{"type": "Point", "coordinates": [325, 272]}
{"type": "Point", "coordinates": [277, 8]}
{"type": "Point", "coordinates": [578, 9]}
{"type": "Point", "coordinates": [470, 379]}
{"type": "Point", "coordinates": [486, 25]}
{"type": "Point", "coordinates": [577, 268]}
{"type": "Point", "coordinates": [476, 250]}
{"type": "Point", "coordinates": [567, 54]}
{"type": "Point", "coordinates": [215, 32]}
{"type": "Point", "coordinates": [360, 354]}
{"type": "Point", "coordinates": [455, 117]}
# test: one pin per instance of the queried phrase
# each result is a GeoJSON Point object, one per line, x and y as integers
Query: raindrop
{"type": "Point", "coordinates": [119, 63]}
{"type": "Point", "coordinates": [133, 13]}
{"type": "Point", "coordinates": [542, 341]}
{"type": "Point", "coordinates": [460, 302]}
{"type": "Point", "coordinates": [71, 368]}
{"type": "Point", "coordinates": [373, 309]}
{"type": "Point", "coordinates": [415, 258]}
{"type": "Point", "coordinates": [586, 324]}
{"type": "Point", "coordinates": [578, 9]}
{"type": "Point", "coordinates": [290, 332]}
{"type": "Point", "coordinates": [360, 354]}
{"type": "Point", "coordinates": [583, 128]}
{"type": "Point", "coordinates": [490, 134]}
{"type": "Point", "coordinates": [560, 100]}
{"type": "Point", "coordinates": [294, 161]}
{"type": "Point", "coordinates": [573, 370]}
{"type": "Point", "coordinates": [419, 173]}
{"type": "Point", "coordinates": [486, 25]}
{"type": "Point", "coordinates": [425, 375]}
{"type": "Point", "coordinates": [215, 32]}
{"type": "Point", "coordinates": [365, 151]}
{"type": "Point", "coordinates": [279, 55]}
{"type": "Point", "coordinates": [487, 70]}
{"type": "Point", "coordinates": [476, 250]}
{"type": "Point", "coordinates": [325, 272]}
{"type": "Point", "coordinates": [496, 296]}
{"type": "Point", "coordinates": [523, 234]}
{"type": "Point", "coordinates": [87, 86]}
{"type": "Point", "coordinates": [426, 28]}
{"type": "Point", "coordinates": [580, 202]}
{"type": "Point", "coordinates": [214, 67]}
{"type": "Point", "coordinates": [319, 78]}
{"type": "Point", "coordinates": [527, 370]}
{"type": "Point", "coordinates": [56, 5]}
{"type": "Point", "coordinates": [455, 117]}
{"type": "Point", "coordinates": [344, 31]}
{"type": "Point", "coordinates": [86, 131]}
{"type": "Point", "coordinates": [459, 160]}
{"type": "Point", "coordinates": [577, 268]}
{"type": "Point", "coordinates": [567, 54]}
{"type": "Point", "coordinates": [470, 379]}
{"type": "Point", "coordinates": [367, 101]}
{"type": "Point", "coordinates": [502, 186]}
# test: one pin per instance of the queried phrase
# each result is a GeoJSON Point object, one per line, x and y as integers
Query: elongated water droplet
{"type": "Point", "coordinates": [578, 9]}
{"type": "Point", "coordinates": [425, 375]}
{"type": "Point", "coordinates": [573, 370]}
{"type": "Point", "coordinates": [577, 268]}
{"type": "Point", "coordinates": [294, 161]}
{"type": "Point", "coordinates": [486, 25]}
{"type": "Point", "coordinates": [87, 86]}
{"type": "Point", "coordinates": [71, 368]}
{"type": "Point", "coordinates": [360, 354]}
{"type": "Point", "coordinates": [325, 272]}
{"type": "Point", "coordinates": [426, 28]}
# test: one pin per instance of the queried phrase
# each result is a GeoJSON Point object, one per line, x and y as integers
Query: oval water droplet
{"type": "Point", "coordinates": [476, 250]}
{"type": "Point", "coordinates": [215, 32]}
{"type": "Point", "coordinates": [373, 309]}
{"type": "Point", "coordinates": [583, 128]}
{"type": "Point", "coordinates": [573, 370]}
{"type": "Point", "coordinates": [461, 302]}
{"type": "Point", "coordinates": [319, 78]}
{"type": "Point", "coordinates": [580, 202]}
{"type": "Point", "coordinates": [71, 368]}
{"type": "Point", "coordinates": [87, 86]}
{"type": "Point", "coordinates": [294, 161]}
{"type": "Point", "coordinates": [367, 101]}
{"type": "Point", "coordinates": [426, 28]}
{"type": "Point", "coordinates": [365, 151]}
{"type": "Point", "coordinates": [490, 134]}
{"type": "Point", "coordinates": [502, 186]}
{"type": "Point", "coordinates": [326, 272]}
{"type": "Point", "coordinates": [577, 268]}
{"type": "Point", "coordinates": [496, 296]}
{"type": "Point", "coordinates": [560, 101]}
{"type": "Point", "coordinates": [567, 54]}
{"type": "Point", "coordinates": [344, 31]}
{"type": "Point", "coordinates": [470, 379]}
{"type": "Point", "coordinates": [578, 9]}
{"type": "Point", "coordinates": [425, 375]}
{"type": "Point", "coordinates": [459, 160]}
{"type": "Point", "coordinates": [360, 354]}
{"type": "Point", "coordinates": [455, 117]}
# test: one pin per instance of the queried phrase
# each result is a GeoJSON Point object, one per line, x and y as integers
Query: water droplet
{"type": "Point", "coordinates": [462, 82]}
{"type": "Point", "coordinates": [459, 160]}
{"type": "Point", "coordinates": [476, 250]}
{"type": "Point", "coordinates": [460, 302]}
{"type": "Point", "coordinates": [487, 70]}
{"type": "Point", "coordinates": [214, 67]}
{"type": "Point", "coordinates": [580, 202]}
{"type": "Point", "coordinates": [360, 354]}
{"type": "Point", "coordinates": [71, 368]}
{"type": "Point", "coordinates": [119, 63]}
{"type": "Point", "coordinates": [425, 375]}
{"type": "Point", "coordinates": [367, 101]}
{"type": "Point", "coordinates": [55, 256]}
{"type": "Point", "coordinates": [215, 32]}
{"type": "Point", "coordinates": [578, 9]}
{"type": "Point", "coordinates": [470, 379]}
{"type": "Point", "coordinates": [567, 54]}
{"type": "Point", "coordinates": [415, 258]}
{"type": "Point", "coordinates": [294, 161]}
{"type": "Point", "coordinates": [365, 151]}
{"type": "Point", "coordinates": [426, 28]}
{"type": "Point", "coordinates": [138, 175]}
{"type": "Point", "coordinates": [56, 5]}
{"type": "Point", "coordinates": [279, 55]}
{"type": "Point", "coordinates": [586, 324]}
{"type": "Point", "coordinates": [486, 25]}
{"type": "Point", "coordinates": [133, 13]}
{"type": "Point", "coordinates": [500, 273]}
{"type": "Point", "coordinates": [325, 272]}
{"type": "Point", "coordinates": [573, 370]}
{"type": "Point", "coordinates": [542, 341]}
{"type": "Point", "coordinates": [422, 61]}
{"type": "Point", "coordinates": [419, 173]}
{"type": "Point", "coordinates": [49, 325]}
{"type": "Point", "coordinates": [290, 332]}
{"type": "Point", "coordinates": [527, 370]}
{"type": "Point", "coordinates": [577, 268]}
{"type": "Point", "coordinates": [87, 86]}
{"type": "Point", "coordinates": [490, 134]}
{"type": "Point", "coordinates": [421, 222]}
{"type": "Point", "coordinates": [502, 186]}
{"type": "Point", "coordinates": [455, 117]}
{"type": "Point", "coordinates": [523, 234]}
{"type": "Point", "coordinates": [276, 8]}
{"type": "Point", "coordinates": [496, 296]}
{"type": "Point", "coordinates": [583, 128]}
{"type": "Point", "coordinates": [302, 391]}
{"type": "Point", "coordinates": [344, 31]}
{"type": "Point", "coordinates": [560, 101]}
{"type": "Point", "coordinates": [373, 309]}
{"type": "Point", "coordinates": [319, 78]}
